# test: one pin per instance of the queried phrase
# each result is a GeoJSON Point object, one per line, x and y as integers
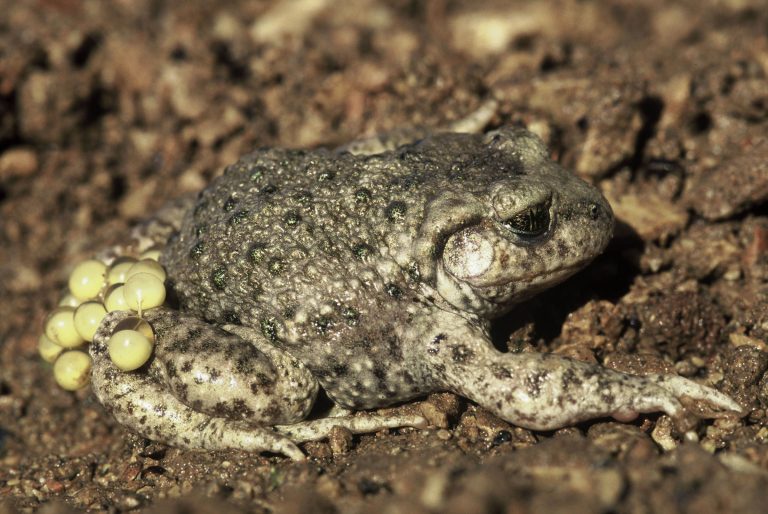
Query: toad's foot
{"type": "Point", "coordinates": [544, 392]}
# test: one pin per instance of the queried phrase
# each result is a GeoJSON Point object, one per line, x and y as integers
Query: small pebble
{"type": "Point", "coordinates": [504, 436]}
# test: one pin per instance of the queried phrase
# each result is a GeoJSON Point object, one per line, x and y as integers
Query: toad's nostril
{"type": "Point", "coordinates": [594, 211]}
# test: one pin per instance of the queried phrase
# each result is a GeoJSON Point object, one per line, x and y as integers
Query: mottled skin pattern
{"type": "Point", "coordinates": [374, 276]}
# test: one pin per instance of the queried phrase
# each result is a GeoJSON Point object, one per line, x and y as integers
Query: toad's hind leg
{"type": "Point", "coordinates": [204, 387]}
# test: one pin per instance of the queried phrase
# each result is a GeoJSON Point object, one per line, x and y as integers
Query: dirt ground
{"type": "Point", "coordinates": [109, 109]}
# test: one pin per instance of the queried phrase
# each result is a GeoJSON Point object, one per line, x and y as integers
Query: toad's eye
{"type": "Point", "coordinates": [530, 223]}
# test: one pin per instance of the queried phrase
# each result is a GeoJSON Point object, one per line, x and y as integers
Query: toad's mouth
{"type": "Point", "coordinates": [518, 288]}
{"type": "Point", "coordinates": [494, 298]}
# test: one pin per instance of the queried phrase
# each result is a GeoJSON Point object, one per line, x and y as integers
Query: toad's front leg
{"type": "Point", "coordinates": [545, 391]}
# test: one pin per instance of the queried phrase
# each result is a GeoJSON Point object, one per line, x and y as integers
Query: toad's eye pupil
{"type": "Point", "coordinates": [531, 222]}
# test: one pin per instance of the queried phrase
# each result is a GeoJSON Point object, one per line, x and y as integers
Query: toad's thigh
{"type": "Point", "coordinates": [222, 374]}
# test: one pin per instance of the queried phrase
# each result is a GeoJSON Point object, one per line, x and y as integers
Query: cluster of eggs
{"type": "Point", "coordinates": [95, 289]}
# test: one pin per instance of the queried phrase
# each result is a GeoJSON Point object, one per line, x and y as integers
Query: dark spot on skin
{"type": "Point", "coordinates": [272, 411]}
{"type": "Point", "coordinates": [269, 189]}
{"type": "Point", "coordinates": [264, 380]}
{"type": "Point", "coordinates": [182, 391]}
{"type": "Point", "coordinates": [339, 369]}
{"type": "Point", "coordinates": [237, 218]}
{"type": "Point", "coordinates": [322, 324]}
{"type": "Point", "coordinates": [380, 374]}
{"type": "Point", "coordinates": [434, 345]}
{"type": "Point", "coordinates": [256, 174]}
{"type": "Point", "coordinates": [240, 410]}
{"type": "Point", "coordinates": [244, 365]}
{"type": "Point", "coordinates": [460, 354]}
{"type": "Point", "coordinates": [363, 196]}
{"type": "Point", "coordinates": [229, 204]}
{"type": "Point", "coordinates": [326, 176]}
{"type": "Point", "coordinates": [179, 345]}
{"type": "Point", "coordinates": [394, 347]}
{"type": "Point", "coordinates": [303, 198]}
{"type": "Point", "coordinates": [414, 273]}
{"type": "Point", "coordinates": [362, 250]}
{"type": "Point", "coordinates": [197, 250]}
{"type": "Point", "coordinates": [269, 328]}
{"type": "Point", "coordinates": [214, 373]}
{"type": "Point", "coordinates": [351, 316]}
{"type": "Point", "coordinates": [393, 291]}
{"type": "Point", "coordinates": [395, 211]}
{"type": "Point", "coordinates": [231, 317]}
{"type": "Point", "coordinates": [207, 344]}
{"type": "Point", "coordinates": [570, 380]}
{"type": "Point", "coordinates": [219, 277]}
{"type": "Point", "coordinates": [186, 367]}
{"type": "Point", "coordinates": [594, 211]}
{"type": "Point", "coordinates": [534, 382]}
{"type": "Point", "coordinates": [257, 252]}
{"type": "Point", "coordinates": [200, 229]}
{"type": "Point", "coordinates": [562, 249]}
{"type": "Point", "coordinates": [275, 267]}
{"type": "Point", "coordinates": [292, 219]}
{"type": "Point", "coordinates": [500, 372]}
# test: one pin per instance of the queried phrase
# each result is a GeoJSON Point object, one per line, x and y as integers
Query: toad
{"type": "Point", "coordinates": [373, 272]}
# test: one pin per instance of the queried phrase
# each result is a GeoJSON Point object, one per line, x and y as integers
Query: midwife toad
{"type": "Point", "coordinates": [374, 276]}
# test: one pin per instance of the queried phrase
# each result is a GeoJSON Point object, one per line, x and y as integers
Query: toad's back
{"type": "Point", "coordinates": [286, 232]}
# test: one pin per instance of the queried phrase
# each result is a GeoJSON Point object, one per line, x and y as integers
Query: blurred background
{"type": "Point", "coordinates": [110, 109]}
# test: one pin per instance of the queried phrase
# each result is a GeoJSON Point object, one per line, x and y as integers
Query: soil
{"type": "Point", "coordinates": [110, 109]}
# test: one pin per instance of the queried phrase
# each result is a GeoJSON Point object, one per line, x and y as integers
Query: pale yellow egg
{"type": "Point", "coordinates": [72, 369]}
